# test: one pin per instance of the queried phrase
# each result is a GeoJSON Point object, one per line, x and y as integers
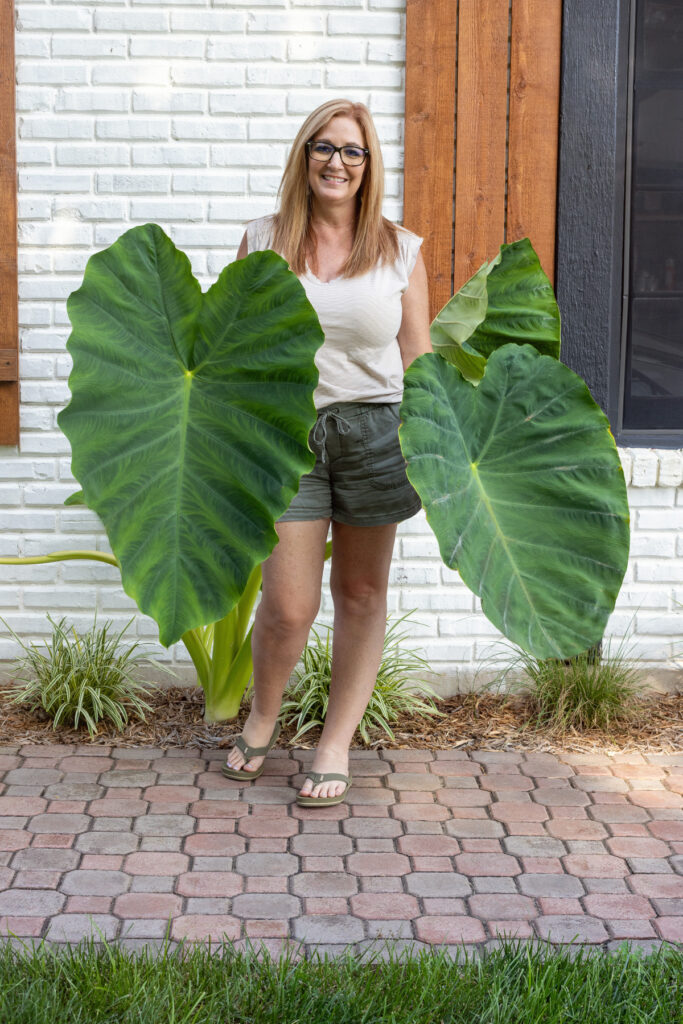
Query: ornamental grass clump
{"type": "Point", "coordinates": [593, 690]}
{"type": "Point", "coordinates": [309, 692]}
{"type": "Point", "coordinates": [82, 680]}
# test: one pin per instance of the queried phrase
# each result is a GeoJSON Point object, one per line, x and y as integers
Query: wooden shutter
{"type": "Point", "coordinates": [482, 114]}
{"type": "Point", "coordinates": [9, 328]}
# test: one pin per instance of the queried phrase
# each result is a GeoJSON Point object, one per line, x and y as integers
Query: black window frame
{"type": "Point", "coordinates": [593, 180]}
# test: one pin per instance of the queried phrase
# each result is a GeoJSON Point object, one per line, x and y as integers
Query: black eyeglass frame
{"type": "Point", "coordinates": [336, 149]}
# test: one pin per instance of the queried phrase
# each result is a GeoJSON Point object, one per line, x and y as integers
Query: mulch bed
{"type": "Point", "coordinates": [477, 721]}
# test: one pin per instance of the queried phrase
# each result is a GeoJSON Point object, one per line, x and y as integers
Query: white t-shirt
{"type": "Point", "coordinates": [360, 360]}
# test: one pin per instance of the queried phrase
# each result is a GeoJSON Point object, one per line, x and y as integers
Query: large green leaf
{"type": "Point", "coordinates": [455, 324]}
{"type": "Point", "coordinates": [189, 418]}
{"type": "Point", "coordinates": [508, 300]}
{"type": "Point", "coordinates": [522, 485]}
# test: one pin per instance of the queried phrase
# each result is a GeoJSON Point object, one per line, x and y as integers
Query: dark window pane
{"type": "Point", "coordinates": [654, 398]}
{"type": "Point", "coordinates": [653, 387]}
{"type": "Point", "coordinates": [662, 35]}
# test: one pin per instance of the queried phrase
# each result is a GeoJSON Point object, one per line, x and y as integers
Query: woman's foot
{"type": "Point", "coordinates": [327, 759]}
{"type": "Point", "coordinates": [256, 732]}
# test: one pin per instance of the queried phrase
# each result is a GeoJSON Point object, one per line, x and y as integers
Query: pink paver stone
{"type": "Point", "coordinates": [178, 794]}
{"type": "Point", "coordinates": [378, 864]}
{"type": "Point", "coordinates": [210, 883]}
{"type": "Point", "coordinates": [147, 904]}
{"type": "Point", "coordinates": [156, 863]}
{"type": "Point", "coordinates": [595, 865]}
{"type": "Point", "coordinates": [206, 926]}
{"type": "Point", "coordinates": [497, 864]}
{"type": "Point", "coordinates": [21, 806]}
{"type": "Point", "coordinates": [214, 845]}
{"type": "Point", "coordinates": [437, 930]}
{"type": "Point", "coordinates": [618, 906]}
{"type": "Point", "coordinates": [23, 927]}
{"type": "Point", "coordinates": [384, 906]}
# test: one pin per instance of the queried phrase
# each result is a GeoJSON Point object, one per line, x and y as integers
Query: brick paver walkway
{"type": "Point", "coordinates": [437, 848]}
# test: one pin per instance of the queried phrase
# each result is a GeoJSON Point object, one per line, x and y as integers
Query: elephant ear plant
{"type": "Point", "coordinates": [515, 463]}
{"type": "Point", "coordinates": [189, 423]}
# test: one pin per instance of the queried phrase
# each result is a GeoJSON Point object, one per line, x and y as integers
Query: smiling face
{"type": "Point", "coordinates": [333, 183]}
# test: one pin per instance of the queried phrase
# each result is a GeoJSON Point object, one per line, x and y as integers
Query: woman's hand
{"type": "Point", "coordinates": [413, 334]}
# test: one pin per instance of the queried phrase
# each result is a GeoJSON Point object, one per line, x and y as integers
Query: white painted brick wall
{"type": "Point", "coordinates": [182, 113]}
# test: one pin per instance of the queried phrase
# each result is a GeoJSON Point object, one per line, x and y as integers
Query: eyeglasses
{"type": "Point", "coordinates": [351, 156]}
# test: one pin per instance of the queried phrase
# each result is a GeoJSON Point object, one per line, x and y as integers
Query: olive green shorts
{"type": "Point", "coordinates": [359, 477]}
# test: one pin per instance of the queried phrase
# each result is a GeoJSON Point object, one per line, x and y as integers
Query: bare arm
{"type": "Point", "coordinates": [413, 335]}
{"type": "Point", "coordinates": [242, 251]}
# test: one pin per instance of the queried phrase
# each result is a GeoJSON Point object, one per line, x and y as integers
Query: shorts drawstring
{"type": "Point", "coordinates": [320, 428]}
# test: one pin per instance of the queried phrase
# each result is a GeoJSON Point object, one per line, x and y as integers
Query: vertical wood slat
{"type": "Point", "coordinates": [9, 330]}
{"type": "Point", "coordinates": [480, 134]}
{"type": "Point", "coordinates": [534, 125]}
{"type": "Point", "coordinates": [429, 136]}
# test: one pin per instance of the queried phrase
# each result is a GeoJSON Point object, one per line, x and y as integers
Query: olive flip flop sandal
{"type": "Point", "coordinates": [249, 752]}
{"type": "Point", "coordinates": [324, 801]}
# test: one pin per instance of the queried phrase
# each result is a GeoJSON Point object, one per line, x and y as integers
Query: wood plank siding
{"type": "Point", "coordinates": [481, 133]}
{"type": "Point", "coordinates": [9, 330]}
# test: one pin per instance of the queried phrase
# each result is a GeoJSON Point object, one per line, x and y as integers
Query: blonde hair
{"type": "Point", "coordinates": [375, 238]}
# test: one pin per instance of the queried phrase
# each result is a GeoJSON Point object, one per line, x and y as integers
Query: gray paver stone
{"type": "Point", "coordinates": [74, 928]}
{"type": "Point", "coordinates": [144, 929]}
{"type": "Point", "coordinates": [95, 883]}
{"type": "Point", "coordinates": [74, 791]}
{"type": "Point", "coordinates": [150, 883]}
{"type": "Point", "coordinates": [534, 846]}
{"type": "Point", "coordinates": [380, 884]}
{"type": "Point", "coordinates": [495, 908]}
{"type": "Point", "coordinates": [137, 753]}
{"type": "Point", "coordinates": [376, 827]}
{"type": "Point", "coordinates": [59, 823]}
{"type": "Point", "coordinates": [550, 885]}
{"type": "Point", "coordinates": [612, 886]}
{"type": "Point", "coordinates": [571, 928]}
{"type": "Point", "coordinates": [161, 844]}
{"type": "Point", "coordinates": [324, 883]}
{"type": "Point", "coordinates": [268, 795]}
{"type": "Point", "coordinates": [265, 906]}
{"type": "Point", "coordinates": [107, 842]}
{"type": "Point", "coordinates": [489, 883]}
{"type": "Point", "coordinates": [120, 778]}
{"type": "Point", "coordinates": [389, 929]}
{"type": "Point", "coordinates": [33, 776]}
{"type": "Point", "coordinates": [266, 864]}
{"type": "Point", "coordinates": [438, 883]}
{"type": "Point", "coordinates": [107, 824]}
{"type": "Point", "coordinates": [208, 905]}
{"type": "Point", "coordinates": [325, 846]}
{"type": "Point", "coordinates": [422, 781]}
{"type": "Point", "coordinates": [164, 825]}
{"type": "Point", "coordinates": [474, 828]}
{"type": "Point", "coordinates": [649, 866]}
{"type": "Point", "coordinates": [600, 784]}
{"type": "Point", "coordinates": [30, 902]}
{"type": "Point", "coordinates": [326, 928]}
{"type": "Point", "coordinates": [677, 863]}
{"type": "Point", "coordinates": [37, 859]}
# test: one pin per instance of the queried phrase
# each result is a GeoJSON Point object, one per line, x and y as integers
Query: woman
{"type": "Point", "coordinates": [366, 279]}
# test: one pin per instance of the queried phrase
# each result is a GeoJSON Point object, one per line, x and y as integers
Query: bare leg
{"type": "Point", "coordinates": [292, 577]}
{"type": "Point", "coordinates": [361, 558]}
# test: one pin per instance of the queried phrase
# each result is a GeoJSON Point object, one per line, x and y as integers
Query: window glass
{"type": "Point", "coordinates": [653, 386]}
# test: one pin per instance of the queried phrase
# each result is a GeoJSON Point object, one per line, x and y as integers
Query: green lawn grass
{"type": "Point", "coordinates": [515, 984]}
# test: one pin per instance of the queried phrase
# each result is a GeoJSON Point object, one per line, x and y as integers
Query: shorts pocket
{"type": "Point", "coordinates": [379, 430]}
